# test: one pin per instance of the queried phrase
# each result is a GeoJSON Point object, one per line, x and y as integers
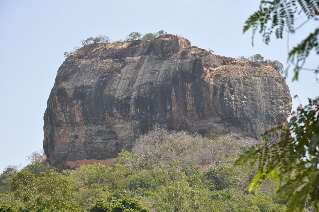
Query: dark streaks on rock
{"type": "Point", "coordinates": [106, 95]}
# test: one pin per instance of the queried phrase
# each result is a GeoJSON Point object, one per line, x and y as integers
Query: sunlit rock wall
{"type": "Point", "coordinates": [106, 95]}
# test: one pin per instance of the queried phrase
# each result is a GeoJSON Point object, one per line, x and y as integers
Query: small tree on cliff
{"type": "Point", "coordinates": [160, 33]}
{"type": "Point", "coordinates": [134, 36]}
{"type": "Point", "coordinates": [256, 57]}
{"type": "Point", "coordinates": [278, 66]}
{"type": "Point", "coordinates": [152, 36]}
{"type": "Point", "coordinates": [36, 157]}
{"type": "Point", "coordinates": [98, 39]}
{"type": "Point", "coordinates": [149, 36]}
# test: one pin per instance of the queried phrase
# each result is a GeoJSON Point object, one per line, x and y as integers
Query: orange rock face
{"type": "Point", "coordinates": [106, 95]}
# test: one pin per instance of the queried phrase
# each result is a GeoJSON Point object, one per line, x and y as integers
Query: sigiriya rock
{"type": "Point", "coordinates": [106, 95]}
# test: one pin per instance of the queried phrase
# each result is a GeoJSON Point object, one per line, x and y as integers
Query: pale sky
{"type": "Point", "coordinates": [34, 34]}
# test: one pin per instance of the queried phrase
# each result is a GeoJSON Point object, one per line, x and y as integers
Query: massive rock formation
{"type": "Point", "coordinates": [105, 95]}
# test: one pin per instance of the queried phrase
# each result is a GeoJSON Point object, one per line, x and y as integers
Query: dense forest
{"type": "Point", "coordinates": [166, 171]}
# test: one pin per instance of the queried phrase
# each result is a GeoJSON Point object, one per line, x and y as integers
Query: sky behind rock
{"type": "Point", "coordinates": [35, 34]}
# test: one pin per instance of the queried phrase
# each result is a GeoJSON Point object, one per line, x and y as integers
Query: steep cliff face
{"type": "Point", "coordinates": [105, 95]}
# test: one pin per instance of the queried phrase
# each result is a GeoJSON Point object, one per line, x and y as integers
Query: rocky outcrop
{"type": "Point", "coordinates": [106, 95]}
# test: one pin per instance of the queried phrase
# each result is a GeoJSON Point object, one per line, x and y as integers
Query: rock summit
{"type": "Point", "coordinates": [106, 95]}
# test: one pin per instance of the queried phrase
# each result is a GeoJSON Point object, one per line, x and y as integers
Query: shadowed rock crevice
{"type": "Point", "coordinates": [106, 95]}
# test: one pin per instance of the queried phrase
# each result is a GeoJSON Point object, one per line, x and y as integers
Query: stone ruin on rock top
{"type": "Point", "coordinates": [106, 95]}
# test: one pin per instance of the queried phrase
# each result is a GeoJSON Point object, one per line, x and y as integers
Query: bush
{"type": "Point", "coordinates": [256, 57]}
{"type": "Point", "coordinates": [122, 205]}
{"type": "Point", "coordinates": [278, 66]}
{"type": "Point", "coordinates": [88, 41]}
{"type": "Point", "coordinates": [37, 168]}
{"type": "Point", "coordinates": [149, 36]}
{"type": "Point", "coordinates": [134, 36]}
{"type": "Point", "coordinates": [37, 157]}
{"type": "Point", "coordinates": [160, 33]}
{"type": "Point", "coordinates": [6, 208]}
{"type": "Point", "coordinates": [67, 54]}
{"type": "Point", "coordinates": [50, 191]}
{"type": "Point", "coordinates": [180, 196]}
{"type": "Point", "coordinates": [98, 39]}
{"type": "Point", "coordinates": [7, 175]}
{"type": "Point", "coordinates": [152, 36]}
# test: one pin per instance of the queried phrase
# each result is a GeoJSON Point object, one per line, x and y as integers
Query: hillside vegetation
{"type": "Point", "coordinates": [166, 171]}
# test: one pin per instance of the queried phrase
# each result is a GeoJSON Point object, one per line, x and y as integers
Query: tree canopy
{"type": "Point", "coordinates": [141, 181]}
{"type": "Point", "coordinates": [290, 157]}
{"type": "Point", "coordinates": [290, 154]}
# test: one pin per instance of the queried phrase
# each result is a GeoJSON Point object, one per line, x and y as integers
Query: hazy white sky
{"type": "Point", "coordinates": [34, 34]}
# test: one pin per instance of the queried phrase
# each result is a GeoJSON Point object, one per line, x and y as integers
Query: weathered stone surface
{"type": "Point", "coordinates": [105, 95]}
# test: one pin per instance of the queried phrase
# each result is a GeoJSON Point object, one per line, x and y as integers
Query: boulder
{"type": "Point", "coordinates": [106, 95]}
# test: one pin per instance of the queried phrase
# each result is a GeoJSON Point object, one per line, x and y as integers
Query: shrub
{"type": "Point", "coordinates": [67, 54]}
{"type": "Point", "coordinates": [278, 66]}
{"type": "Point", "coordinates": [256, 57]}
{"type": "Point", "coordinates": [98, 39]}
{"type": "Point", "coordinates": [6, 208]}
{"type": "Point", "coordinates": [134, 36]}
{"type": "Point", "coordinates": [37, 157]}
{"type": "Point", "coordinates": [149, 36]}
{"type": "Point", "coordinates": [160, 33]}
{"type": "Point", "coordinates": [87, 41]}
{"type": "Point", "coordinates": [37, 168]}
{"type": "Point", "coordinates": [122, 205]}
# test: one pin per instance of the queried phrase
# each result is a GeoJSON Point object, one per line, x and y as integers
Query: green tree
{"type": "Point", "coordinates": [89, 183]}
{"type": "Point", "coordinates": [222, 177]}
{"type": "Point", "coordinates": [290, 153]}
{"type": "Point", "coordinates": [49, 192]}
{"type": "Point", "coordinates": [36, 157]}
{"type": "Point", "coordinates": [6, 208]}
{"type": "Point", "coordinates": [160, 33]}
{"type": "Point", "coordinates": [37, 168]}
{"type": "Point", "coordinates": [290, 156]}
{"type": "Point", "coordinates": [134, 36]}
{"type": "Point", "coordinates": [101, 39]}
{"type": "Point", "coordinates": [122, 205]}
{"type": "Point", "coordinates": [180, 196]}
{"type": "Point", "coordinates": [149, 36]}
{"type": "Point", "coordinates": [53, 191]}
{"type": "Point", "coordinates": [90, 174]}
{"type": "Point", "coordinates": [278, 66]}
{"type": "Point", "coordinates": [257, 57]}
{"type": "Point", "coordinates": [6, 177]}
{"type": "Point", "coordinates": [87, 41]}
{"type": "Point", "coordinates": [152, 36]}
{"type": "Point", "coordinates": [67, 54]}
{"type": "Point", "coordinates": [24, 186]}
{"type": "Point", "coordinates": [92, 40]}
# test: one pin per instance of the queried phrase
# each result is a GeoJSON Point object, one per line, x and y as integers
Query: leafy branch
{"type": "Point", "coordinates": [300, 52]}
{"type": "Point", "coordinates": [290, 157]}
{"type": "Point", "coordinates": [274, 16]}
